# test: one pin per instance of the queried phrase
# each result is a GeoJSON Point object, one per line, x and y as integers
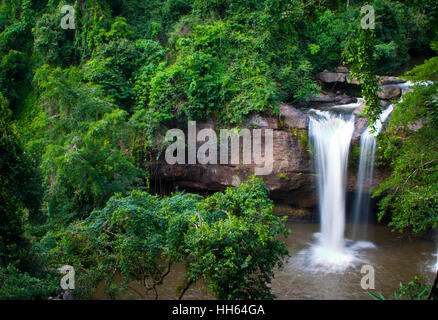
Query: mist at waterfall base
{"type": "Point", "coordinates": [331, 132]}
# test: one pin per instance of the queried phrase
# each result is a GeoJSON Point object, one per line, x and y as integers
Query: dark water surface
{"type": "Point", "coordinates": [394, 259]}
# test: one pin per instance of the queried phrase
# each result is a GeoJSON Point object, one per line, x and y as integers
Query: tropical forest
{"type": "Point", "coordinates": [218, 149]}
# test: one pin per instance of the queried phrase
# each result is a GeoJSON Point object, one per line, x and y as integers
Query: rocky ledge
{"type": "Point", "coordinates": [342, 75]}
{"type": "Point", "coordinates": [292, 179]}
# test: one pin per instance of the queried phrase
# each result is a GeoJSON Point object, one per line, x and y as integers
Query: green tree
{"type": "Point", "coordinates": [18, 35]}
{"type": "Point", "coordinates": [232, 242]}
{"type": "Point", "coordinates": [82, 140]}
{"type": "Point", "coordinates": [17, 285]}
{"type": "Point", "coordinates": [20, 197]}
{"type": "Point", "coordinates": [361, 56]}
{"type": "Point", "coordinates": [114, 62]}
{"type": "Point", "coordinates": [52, 44]}
{"type": "Point", "coordinates": [127, 238]}
{"type": "Point", "coordinates": [412, 290]}
{"type": "Point", "coordinates": [135, 238]}
{"type": "Point", "coordinates": [15, 78]}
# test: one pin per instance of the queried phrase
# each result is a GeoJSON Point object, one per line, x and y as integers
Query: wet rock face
{"type": "Point", "coordinates": [292, 117]}
{"type": "Point", "coordinates": [389, 92]}
{"type": "Point", "coordinates": [291, 178]}
{"type": "Point", "coordinates": [342, 75]}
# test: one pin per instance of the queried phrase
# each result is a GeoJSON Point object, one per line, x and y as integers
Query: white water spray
{"type": "Point", "coordinates": [435, 267]}
{"type": "Point", "coordinates": [368, 144]}
{"type": "Point", "coordinates": [331, 135]}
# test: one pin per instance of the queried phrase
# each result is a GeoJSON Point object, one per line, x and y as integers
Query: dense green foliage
{"type": "Point", "coordinates": [20, 201]}
{"type": "Point", "coordinates": [232, 242]}
{"type": "Point", "coordinates": [82, 111]}
{"type": "Point", "coordinates": [412, 290]}
{"type": "Point", "coordinates": [363, 68]}
{"type": "Point", "coordinates": [411, 146]}
{"type": "Point", "coordinates": [229, 240]}
{"type": "Point", "coordinates": [20, 197]}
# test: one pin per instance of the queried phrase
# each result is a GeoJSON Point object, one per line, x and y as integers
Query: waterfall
{"type": "Point", "coordinates": [331, 134]}
{"type": "Point", "coordinates": [434, 268]}
{"type": "Point", "coordinates": [365, 175]}
{"type": "Point", "coordinates": [405, 86]}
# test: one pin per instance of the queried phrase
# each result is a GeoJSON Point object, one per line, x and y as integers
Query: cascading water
{"type": "Point", "coordinates": [405, 86]}
{"type": "Point", "coordinates": [436, 266]}
{"type": "Point", "coordinates": [365, 176]}
{"type": "Point", "coordinates": [331, 135]}
{"type": "Point", "coordinates": [361, 206]}
{"type": "Point", "coordinates": [330, 132]}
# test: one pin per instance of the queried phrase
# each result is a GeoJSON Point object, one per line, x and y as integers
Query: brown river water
{"type": "Point", "coordinates": [394, 258]}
